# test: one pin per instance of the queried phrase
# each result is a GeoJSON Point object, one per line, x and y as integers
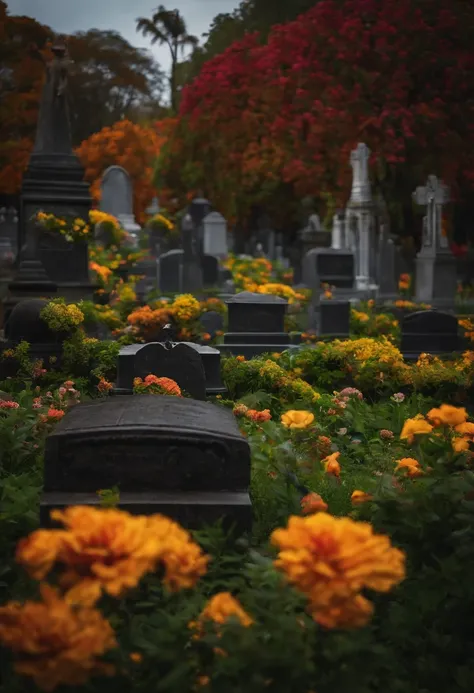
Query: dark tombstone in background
{"type": "Point", "coordinates": [192, 272]}
{"type": "Point", "coordinates": [212, 322]}
{"type": "Point", "coordinates": [334, 319]}
{"type": "Point", "coordinates": [169, 455]}
{"type": "Point", "coordinates": [256, 325]}
{"type": "Point", "coordinates": [172, 360]}
{"type": "Point", "coordinates": [210, 270]}
{"type": "Point", "coordinates": [24, 323]}
{"type": "Point", "coordinates": [429, 331]}
{"type": "Point", "coordinates": [170, 272]}
{"type": "Point", "coordinates": [54, 183]}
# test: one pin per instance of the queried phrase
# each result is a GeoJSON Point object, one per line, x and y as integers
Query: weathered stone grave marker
{"type": "Point", "coordinates": [179, 457]}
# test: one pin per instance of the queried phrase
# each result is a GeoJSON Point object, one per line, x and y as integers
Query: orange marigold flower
{"type": "Point", "coordinates": [331, 464]}
{"type": "Point", "coordinates": [360, 497]}
{"type": "Point", "coordinates": [104, 385]}
{"type": "Point", "coordinates": [414, 427]}
{"type": "Point", "coordinates": [313, 503]}
{"type": "Point", "coordinates": [461, 444]}
{"type": "Point", "coordinates": [240, 410]}
{"type": "Point", "coordinates": [466, 428]}
{"type": "Point", "coordinates": [240, 358]}
{"type": "Point", "coordinates": [332, 559]}
{"type": "Point", "coordinates": [52, 415]}
{"type": "Point", "coordinates": [258, 416]}
{"type": "Point", "coordinates": [55, 643]}
{"type": "Point", "coordinates": [110, 550]}
{"type": "Point", "coordinates": [354, 612]}
{"type": "Point", "coordinates": [222, 607]}
{"type": "Point", "coordinates": [411, 466]}
{"type": "Point", "coordinates": [447, 415]}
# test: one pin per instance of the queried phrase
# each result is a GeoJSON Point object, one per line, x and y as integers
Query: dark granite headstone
{"type": "Point", "coordinates": [179, 362]}
{"type": "Point", "coordinates": [429, 331]}
{"type": "Point", "coordinates": [210, 270]}
{"type": "Point", "coordinates": [24, 323]}
{"type": "Point", "coordinates": [170, 455]}
{"type": "Point", "coordinates": [256, 324]}
{"type": "Point", "coordinates": [212, 322]}
{"type": "Point", "coordinates": [211, 361]}
{"type": "Point", "coordinates": [170, 272]}
{"type": "Point", "coordinates": [54, 182]}
{"type": "Point", "coordinates": [334, 319]}
{"type": "Point", "coordinates": [329, 266]}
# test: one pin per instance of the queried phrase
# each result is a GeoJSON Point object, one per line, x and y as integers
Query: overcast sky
{"type": "Point", "coordinates": [68, 16]}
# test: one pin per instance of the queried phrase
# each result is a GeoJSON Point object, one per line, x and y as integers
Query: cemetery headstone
{"type": "Point", "coordinates": [387, 271]}
{"type": "Point", "coordinates": [436, 280]}
{"type": "Point", "coordinates": [170, 272]}
{"type": "Point", "coordinates": [210, 270]}
{"type": "Point", "coordinates": [9, 227]}
{"type": "Point", "coordinates": [334, 319]}
{"type": "Point", "coordinates": [54, 182]}
{"type": "Point", "coordinates": [211, 361]}
{"type": "Point", "coordinates": [24, 323]}
{"type": "Point", "coordinates": [212, 322]}
{"type": "Point", "coordinates": [117, 199]}
{"type": "Point", "coordinates": [165, 360]}
{"type": "Point", "coordinates": [429, 331]}
{"type": "Point", "coordinates": [256, 325]}
{"type": "Point", "coordinates": [360, 228]}
{"type": "Point", "coordinates": [170, 455]}
{"type": "Point", "coordinates": [215, 235]}
{"type": "Point", "coordinates": [192, 271]}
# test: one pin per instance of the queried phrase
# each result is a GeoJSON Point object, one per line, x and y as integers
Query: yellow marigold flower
{"type": "Point", "coordinates": [447, 415]}
{"type": "Point", "coordinates": [414, 427]}
{"type": "Point", "coordinates": [411, 466]}
{"type": "Point", "coordinates": [186, 308]}
{"type": "Point", "coordinates": [331, 464]}
{"type": "Point", "coordinates": [461, 444]}
{"type": "Point", "coordinates": [360, 497]}
{"type": "Point", "coordinates": [466, 428]}
{"type": "Point", "coordinates": [297, 419]}
{"type": "Point", "coordinates": [55, 643]}
{"type": "Point", "coordinates": [332, 559]}
{"type": "Point", "coordinates": [313, 503]}
{"type": "Point", "coordinates": [222, 607]}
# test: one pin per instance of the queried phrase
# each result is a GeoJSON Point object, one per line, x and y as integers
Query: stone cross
{"type": "Point", "coordinates": [433, 196]}
{"type": "Point", "coordinates": [360, 181]}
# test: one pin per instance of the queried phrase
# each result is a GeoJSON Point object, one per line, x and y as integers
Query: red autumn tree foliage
{"type": "Point", "coordinates": [131, 146]}
{"type": "Point", "coordinates": [262, 120]}
{"type": "Point", "coordinates": [23, 47]}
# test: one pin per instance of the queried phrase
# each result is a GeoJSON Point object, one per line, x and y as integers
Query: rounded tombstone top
{"type": "Point", "coordinates": [26, 324]}
{"type": "Point", "coordinates": [251, 297]}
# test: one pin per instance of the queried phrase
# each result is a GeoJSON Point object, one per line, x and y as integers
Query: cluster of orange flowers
{"type": "Point", "coordinates": [152, 384]}
{"type": "Point", "coordinates": [100, 551]}
{"type": "Point", "coordinates": [453, 419]}
{"type": "Point", "coordinates": [332, 560]}
{"type": "Point", "coordinates": [252, 414]}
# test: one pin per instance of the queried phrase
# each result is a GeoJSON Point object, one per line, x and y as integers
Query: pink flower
{"type": "Point", "coordinates": [8, 404]}
{"type": "Point", "coordinates": [62, 391]}
{"type": "Point", "coordinates": [351, 392]}
{"type": "Point", "coordinates": [398, 397]}
{"type": "Point", "coordinates": [37, 403]}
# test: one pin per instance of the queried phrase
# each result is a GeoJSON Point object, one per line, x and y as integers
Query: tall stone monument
{"type": "Point", "coordinates": [54, 183]}
{"type": "Point", "coordinates": [360, 216]}
{"type": "Point", "coordinates": [436, 279]}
